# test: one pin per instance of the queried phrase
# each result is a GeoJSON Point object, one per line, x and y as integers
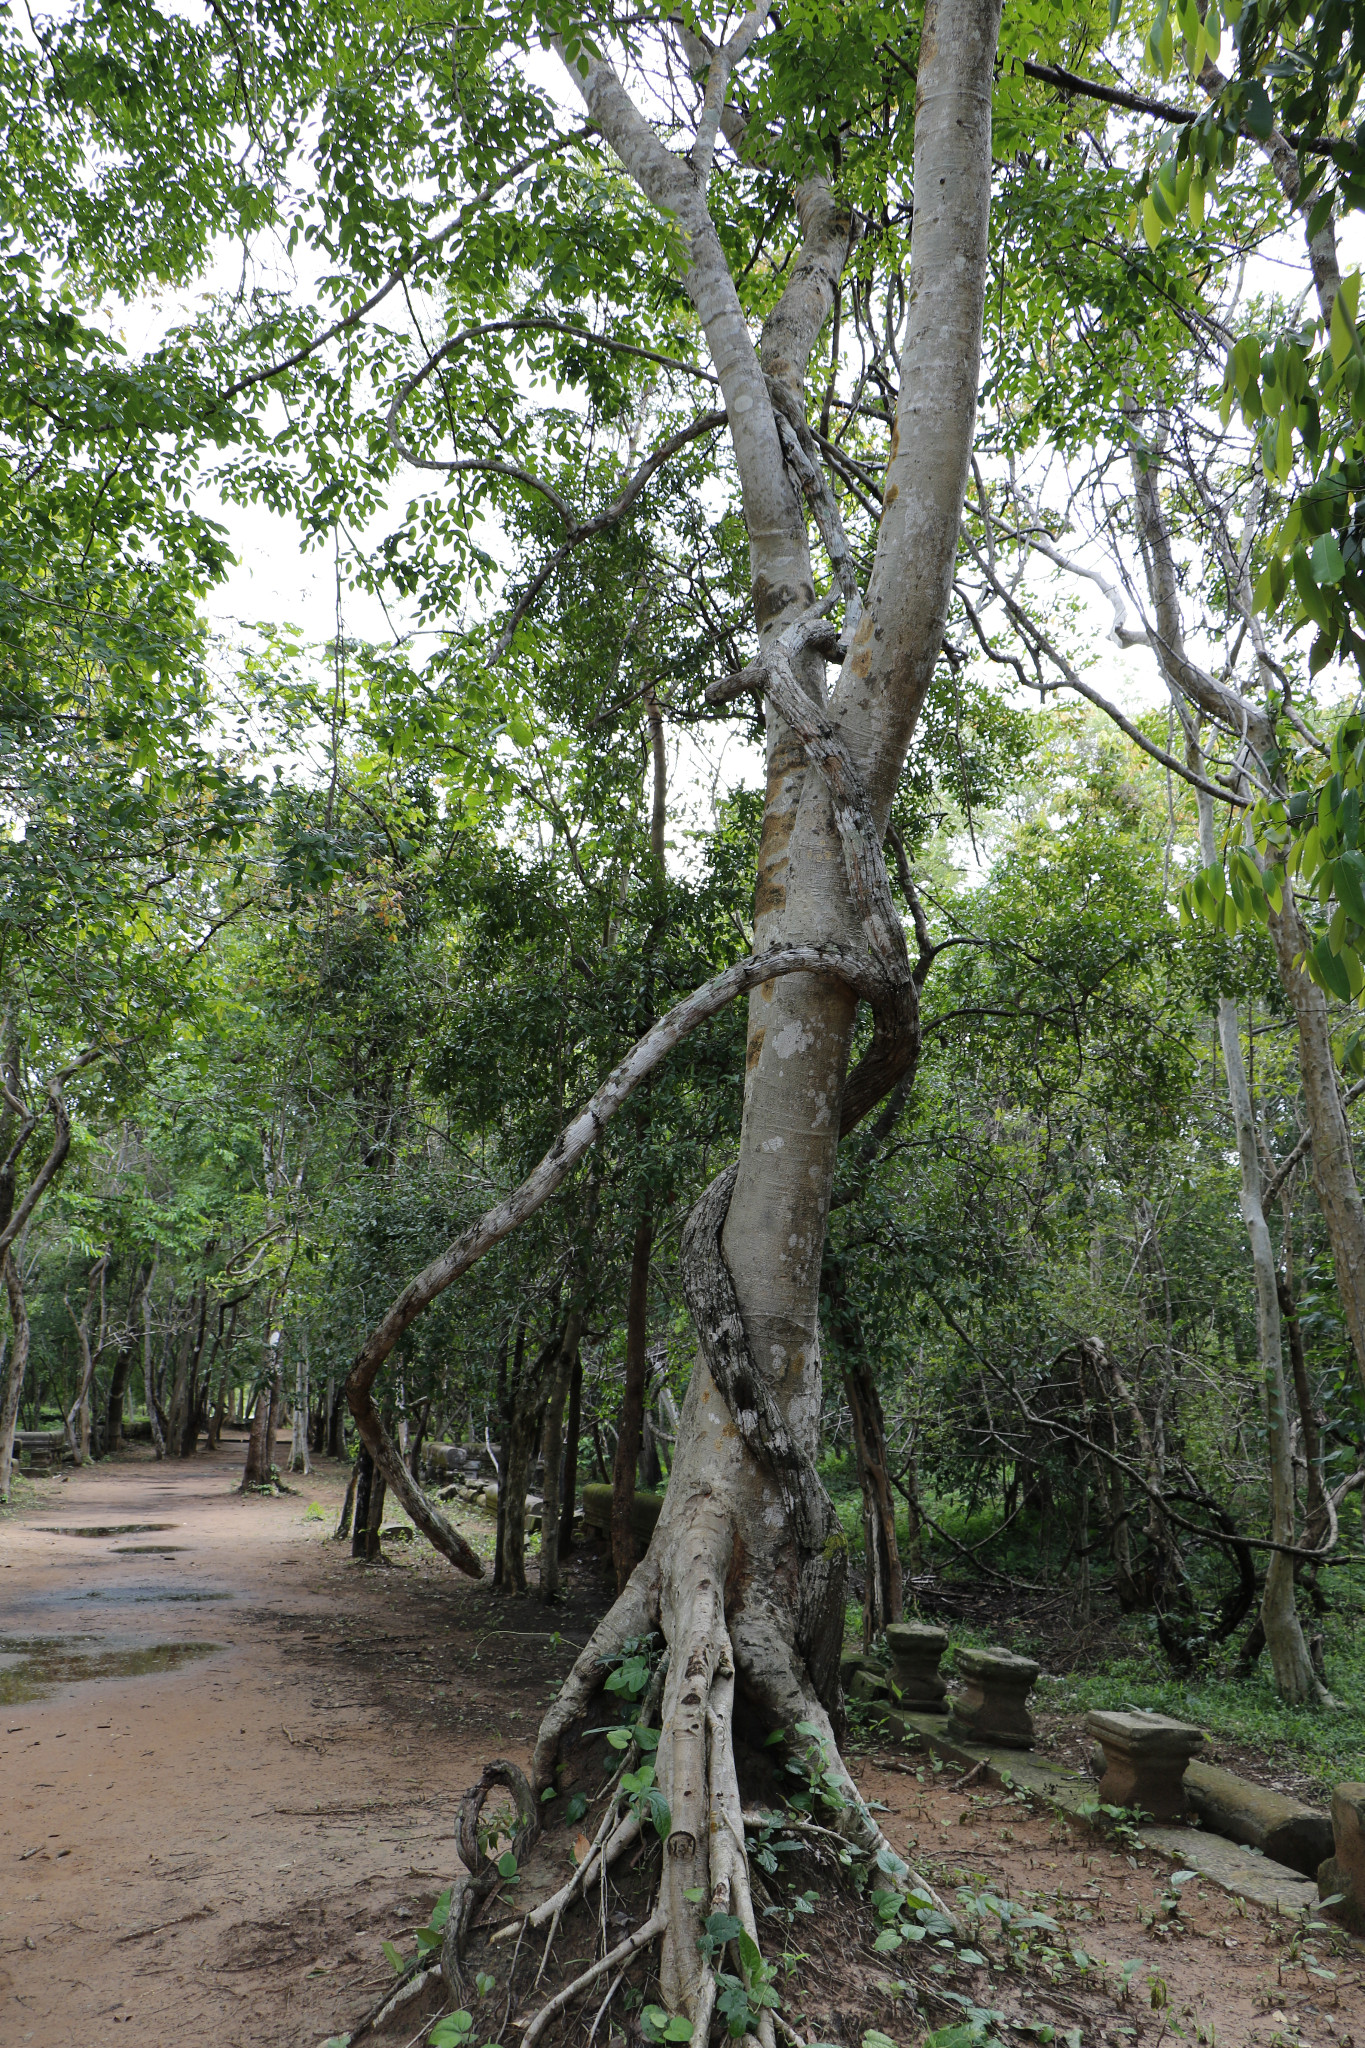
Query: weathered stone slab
{"type": "Point", "coordinates": [1342, 1874]}
{"type": "Point", "coordinates": [915, 1649]}
{"type": "Point", "coordinates": [992, 1708]}
{"type": "Point", "coordinates": [1286, 1829]}
{"type": "Point", "coordinates": [1235, 1867]}
{"type": "Point", "coordinates": [597, 1511]}
{"type": "Point", "coordinates": [1145, 1757]}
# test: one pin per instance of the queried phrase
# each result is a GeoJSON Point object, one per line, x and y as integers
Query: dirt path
{"type": "Point", "coordinates": [240, 1775]}
{"type": "Point", "coordinates": [214, 1851]}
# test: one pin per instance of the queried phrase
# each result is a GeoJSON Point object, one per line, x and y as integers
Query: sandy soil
{"type": "Point", "coordinates": [213, 1852]}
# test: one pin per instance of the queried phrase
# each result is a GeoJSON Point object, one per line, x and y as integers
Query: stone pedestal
{"type": "Point", "coordinates": [1342, 1876]}
{"type": "Point", "coordinates": [915, 1650]}
{"type": "Point", "coordinates": [1145, 1757]}
{"type": "Point", "coordinates": [992, 1708]}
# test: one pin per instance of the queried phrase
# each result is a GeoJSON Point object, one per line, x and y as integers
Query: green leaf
{"type": "Point", "coordinates": [1259, 115]}
{"type": "Point", "coordinates": [507, 1864]}
{"type": "Point", "coordinates": [395, 1960]}
{"type": "Point", "coordinates": [1348, 884]}
{"type": "Point", "coordinates": [1325, 560]}
{"type": "Point", "coordinates": [453, 2031]}
{"type": "Point", "coordinates": [1328, 969]}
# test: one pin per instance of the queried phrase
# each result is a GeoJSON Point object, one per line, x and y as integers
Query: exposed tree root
{"type": "Point", "coordinates": [621, 1954]}
{"type": "Point", "coordinates": [480, 1876]}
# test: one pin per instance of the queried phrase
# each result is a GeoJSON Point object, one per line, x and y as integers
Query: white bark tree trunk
{"type": "Point", "coordinates": [725, 1575]}
{"type": "Point", "coordinates": [745, 1572]}
{"type": "Point", "coordinates": [1295, 1678]}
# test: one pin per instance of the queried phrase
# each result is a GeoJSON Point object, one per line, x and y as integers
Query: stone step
{"type": "Point", "coordinates": [1245, 1872]}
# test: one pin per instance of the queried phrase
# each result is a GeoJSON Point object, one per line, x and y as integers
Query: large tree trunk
{"type": "Point", "coordinates": [744, 1576]}
{"type": "Point", "coordinates": [625, 1550]}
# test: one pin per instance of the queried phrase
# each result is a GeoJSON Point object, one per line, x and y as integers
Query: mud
{"type": "Point", "coordinates": [210, 1844]}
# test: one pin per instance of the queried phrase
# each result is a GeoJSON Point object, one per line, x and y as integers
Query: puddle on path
{"type": "Point", "coordinates": [150, 1549]}
{"type": "Point", "coordinates": [30, 1666]}
{"type": "Point", "coordinates": [110, 1529]}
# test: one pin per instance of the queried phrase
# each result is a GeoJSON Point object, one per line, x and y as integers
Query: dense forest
{"type": "Point", "coordinates": [858, 510]}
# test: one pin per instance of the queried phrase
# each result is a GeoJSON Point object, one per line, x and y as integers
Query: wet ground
{"type": "Point", "coordinates": [230, 1764]}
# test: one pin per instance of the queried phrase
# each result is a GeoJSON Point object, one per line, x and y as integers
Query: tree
{"type": "Point", "coordinates": [752, 1256]}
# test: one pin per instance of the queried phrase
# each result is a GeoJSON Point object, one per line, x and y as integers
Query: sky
{"type": "Point", "coordinates": [277, 580]}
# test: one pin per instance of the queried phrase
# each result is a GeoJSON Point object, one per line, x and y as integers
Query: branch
{"type": "Point", "coordinates": [578, 1136]}
{"type": "Point", "coordinates": [1154, 1494]}
{"type": "Point", "coordinates": [718, 85]}
{"type": "Point", "coordinates": [1164, 110]}
{"type": "Point", "coordinates": [706, 424]}
{"type": "Point", "coordinates": [61, 1144]}
{"type": "Point", "coordinates": [426, 248]}
{"type": "Point", "coordinates": [1034, 633]}
{"type": "Point", "coordinates": [1305, 1145]}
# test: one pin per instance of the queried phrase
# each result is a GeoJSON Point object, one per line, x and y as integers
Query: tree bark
{"type": "Point", "coordinates": [148, 1390]}
{"type": "Point", "coordinates": [78, 1417]}
{"type": "Point", "coordinates": [528, 1398]}
{"type": "Point", "coordinates": [364, 1486]}
{"type": "Point", "coordinates": [299, 1459]}
{"type": "Point", "coordinates": [336, 1424]}
{"type": "Point", "coordinates": [552, 1455]}
{"type": "Point", "coordinates": [1295, 1678]}
{"type": "Point", "coordinates": [1317, 1521]}
{"type": "Point", "coordinates": [572, 1438]}
{"type": "Point", "coordinates": [118, 1387]}
{"type": "Point", "coordinates": [343, 1527]}
{"type": "Point", "coordinates": [18, 1366]}
{"type": "Point", "coordinates": [630, 1424]}
{"type": "Point", "coordinates": [884, 1597]}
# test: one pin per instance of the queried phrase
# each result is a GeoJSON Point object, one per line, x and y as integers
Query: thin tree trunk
{"type": "Point", "coordinates": [371, 1535]}
{"type": "Point", "coordinates": [523, 1433]}
{"type": "Point", "coordinates": [364, 1486]}
{"type": "Point", "coordinates": [630, 1424]}
{"type": "Point", "coordinates": [884, 1597]}
{"type": "Point", "coordinates": [503, 1397]}
{"type": "Point", "coordinates": [299, 1460]}
{"type": "Point", "coordinates": [18, 1366]}
{"type": "Point", "coordinates": [1317, 1521]}
{"type": "Point", "coordinates": [78, 1417]}
{"type": "Point", "coordinates": [256, 1471]}
{"type": "Point", "coordinates": [118, 1387]}
{"type": "Point", "coordinates": [343, 1527]}
{"type": "Point", "coordinates": [1295, 1677]}
{"type": "Point", "coordinates": [572, 1437]}
{"type": "Point", "coordinates": [149, 1391]}
{"type": "Point", "coordinates": [336, 1421]}
{"type": "Point", "coordinates": [552, 1455]}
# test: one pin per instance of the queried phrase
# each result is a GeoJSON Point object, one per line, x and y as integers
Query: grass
{"type": "Point", "coordinates": [1123, 1664]}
